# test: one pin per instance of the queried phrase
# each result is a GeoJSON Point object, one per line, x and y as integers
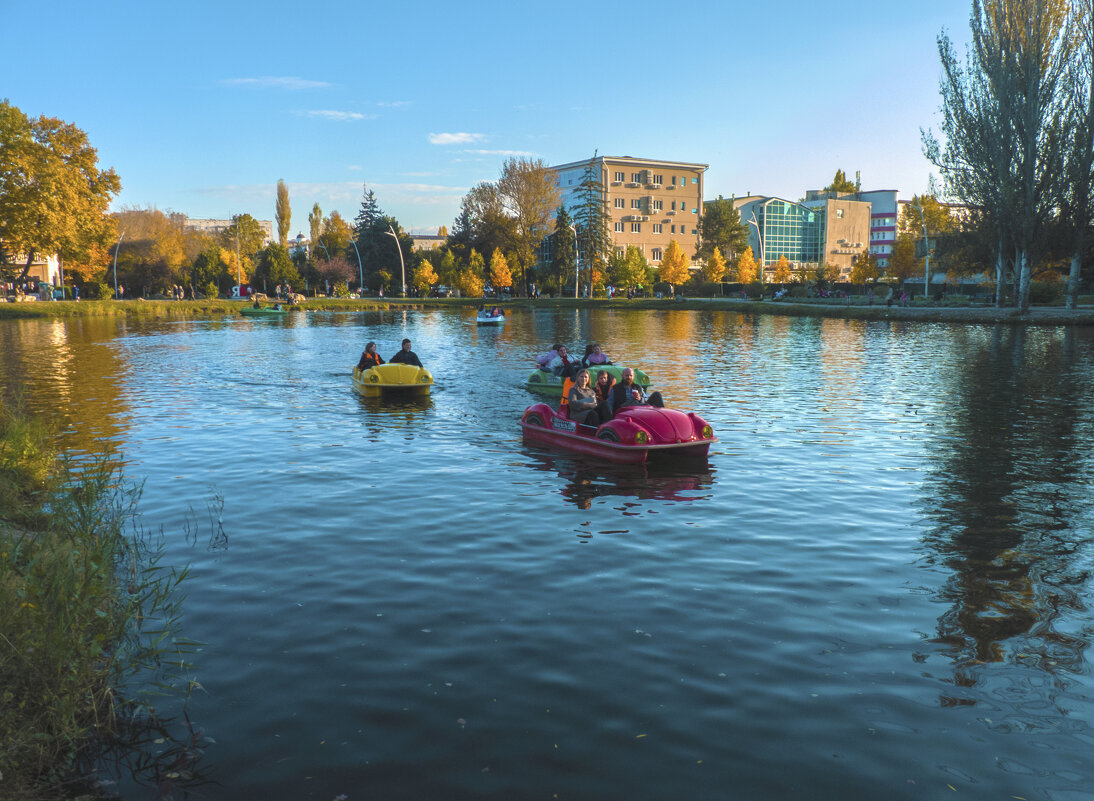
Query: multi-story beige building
{"type": "Point", "coordinates": [215, 227]}
{"type": "Point", "coordinates": [651, 202]}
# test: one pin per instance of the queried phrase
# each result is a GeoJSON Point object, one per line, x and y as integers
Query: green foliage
{"type": "Point", "coordinates": [721, 229]}
{"type": "Point", "coordinates": [103, 290]}
{"type": "Point", "coordinates": [210, 290]}
{"type": "Point", "coordinates": [87, 613]}
{"type": "Point", "coordinates": [629, 270]}
{"type": "Point", "coordinates": [563, 248]}
{"type": "Point", "coordinates": [341, 290]}
{"type": "Point", "coordinates": [1046, 293]}
{"type": "Point", "coordinates": [245, 231]}
{"type": "Point", "coordinates": [841, 184]}
{"type": "Point", "coordinates": [275, 267]}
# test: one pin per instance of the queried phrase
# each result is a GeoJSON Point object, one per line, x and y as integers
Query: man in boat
{"type": "Point", "coordinates": [628, 393]}
{"type": "Point", "coordinates": [545, 359]}
{"type": "Point", "coordinates": [562, 365]}
{"type": "Point", "coordinates": [406, 355]}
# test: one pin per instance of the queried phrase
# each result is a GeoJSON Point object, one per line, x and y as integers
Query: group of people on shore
{"type": "Point", "coordinates": [370, 358]}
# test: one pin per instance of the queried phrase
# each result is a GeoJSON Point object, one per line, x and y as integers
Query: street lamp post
{"type": "Point", "coordinates": [116, 249]}
{"type": "Point", "coordinates": [926, 250]}
{"type": "Point", "coordinates": [577, 260]}
{"type": "Point", "coordinates": [759, 238]}
{"type": "Point", "coordinates": [360, 269]}
{"type": "Point", "coordinates": [399, 247]}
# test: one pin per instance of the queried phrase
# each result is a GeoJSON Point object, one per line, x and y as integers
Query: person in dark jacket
{"type": "Point", "coordinates": [406, 355]}
{"type": "Point", "coordinates": [370, 358]}
{"type": "Point", "coordinates": [628, 393]}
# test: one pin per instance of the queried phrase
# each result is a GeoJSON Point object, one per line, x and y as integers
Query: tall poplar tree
{"type": "Point", "coordinates": [315, 227]}
{"type": "Point", "coordinates": [283, 213]}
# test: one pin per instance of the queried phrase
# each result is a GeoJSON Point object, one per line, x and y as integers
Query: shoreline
{"type": "Point", "coordinates": [1038, 315]}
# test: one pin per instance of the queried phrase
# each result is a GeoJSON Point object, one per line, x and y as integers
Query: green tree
{"type": "Point", "coordinates": [563, 248]}
{"type": "Point", "coordinates": [715, 267]}
{"type": "Point", "coordinates": [336, 235]}
{"type": "Point", "coordinates": [674, 265]}
{"type": "Point", "coordinates": [629, 269]}
{"type": "Point", "coordinates": [275, 267]}
{"type": "Point", "coordinates": [447, 269]}
{"type": "Point", "coordinates": [53, 196]}
{"type": "Point", "coordinates": [720, 228]}
{"type": "Point", "coordinates": [210, 268]}
{"type": "Point", "coordinates": [902, 261]}
{"type": "Point", "coordinates": [244, 233]}
{"type": "Point", "coordinates": [283, 213]}
{"type": "Point", "coordinates": [593, 222]}
{"type": "Point", "coordinates": [483, 222]}
{"type": "Point", "coordinates": [840, 183]}
{"type": "Point", "coordinates": [315, 228]}
{"type": "Point", "coordinates": [476, 263]}
{"type": "Point", "coordinates": [746, 267]}
{"type": "Point", "coordinates": [154, 256]}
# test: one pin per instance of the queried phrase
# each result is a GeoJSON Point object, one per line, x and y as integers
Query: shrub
{"type": "Point", "coordinates": [1043, 293]}
{"type": "Point", "coordinates": [341, 289]}
{"type": "Point", "coordinates": [211, 290]}
{"type": "Point", "coordinates": [103, 291]}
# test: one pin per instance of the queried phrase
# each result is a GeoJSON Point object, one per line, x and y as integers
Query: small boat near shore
{"type": "Point", "coordinates": [489, 318]}
{"type": "Point", "coordinates": [263, 311]}
{"type": "Point", "coordinates": [547, 383]}
{"type": "Point", "coordinates": [636, 433]}
{"type": "Point", "coordinates": [392, 378]}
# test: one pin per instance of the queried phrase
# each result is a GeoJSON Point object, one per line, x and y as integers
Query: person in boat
{"type": "Point", "coordinates": [369, 358]}
{"type": "Point", "coordinates": [594, 355]}
{"type": "Point", "coordinates": [563, 365]}
{"type": "Point", "coordinates": [544, 359]}
{"type": "Point", "coordinates": [495, 312]}
{"type": "Point", "coordinates": [256, 305]}
{"type": "Point", "coordinates": [277, 307]}
{"type": "Point", "coordinates": [582, 400]}
{"type": "Point", "coordinates": [603, 388]}
{"type": "Point", "coordinates": [628, 393]}
{"type": "Point", "coordinates": [406, 355]}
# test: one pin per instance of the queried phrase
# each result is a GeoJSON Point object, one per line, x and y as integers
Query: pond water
{"type": "Point", "coordinates": [877, 586]}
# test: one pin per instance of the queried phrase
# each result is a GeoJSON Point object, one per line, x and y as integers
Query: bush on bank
{"type": "Point", "coordinates": [87, 615]}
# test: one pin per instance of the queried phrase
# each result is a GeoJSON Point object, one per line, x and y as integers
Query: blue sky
{"type": "Point", "coordinates": [201, 107]}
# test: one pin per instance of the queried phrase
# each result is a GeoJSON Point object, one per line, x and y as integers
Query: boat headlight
{"type": "Point", "coordinates": [423, 379]}
{"type": "Point", "coordinates": [374, 378]}
{"type": "Point", "coordinates": [707, 432]}
{"type": "Point", "coordinates": [641, 438]}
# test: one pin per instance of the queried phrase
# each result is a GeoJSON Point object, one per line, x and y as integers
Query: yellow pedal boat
{"type": "Point", "coordinates": [392, 378]}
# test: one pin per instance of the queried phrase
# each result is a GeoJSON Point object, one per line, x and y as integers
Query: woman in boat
{"type": "Point", "coordinates": [544, 360]}
{"type": "Point", "coordinates": [594, 355]}
{"type": "Point", "coordinates": [562, 365]}
{"type": "Point", "coordinates": [582, 400]}
{"type": "Point", "coordinates": [370, 358]}
{"type": "Point", "coordinates": [603, 388]}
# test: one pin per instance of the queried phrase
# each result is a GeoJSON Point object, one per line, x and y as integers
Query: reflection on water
{"type": "Point", "coordinates": [882, 571]}
{"type": "Point", "coordinates": [1006, 489]}
{"type": "Point", "coordinates": [588, 479]}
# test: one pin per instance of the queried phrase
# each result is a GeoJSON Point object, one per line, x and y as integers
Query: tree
{"type": "Point", "coordinates": [283, 213]}
{"type": "Point", "coordinates": [629, 270]}
{"type": "Point", "coordinates": [210, 267]}
{"type": "Point", "coordinates": [335, 271]}
{"type": "Point", "coordinates": [315, 227]}
{"type": "Point", "coordinates": [564, 249]}
{"type": "Point", "coordinates": [593, 221]}
{"type": "Point", "coordinates": [336, 235]}
{"type": "Point", "coordinates": [530, 195]}
{"type": "Point", "coordinates": [902, 262]}
{"type": "Point", "coordinates": [443, 231]}
{"type": "Point", "coordinates": [482, 223]}
{"type": "Point", "coordinates": [447, 269]}
{"type": "Point", "coordinates": [53, 196]}
{"type": "Point", "coordinates": [782, 270]}
{"type": "Point", "coordinates": [424, 277]}
{"type": "Point", "coordinates": [154, 256]}
{"type": "Point", "coordinates": [841, 184]}
{"type": "Point", "coordinates": [720, 228]}
{"type": "Point", "coordinates": [1077, 186]}
{"type": "Point", "coordinates": [500, 277]}
{"type": "Point", "coordinates": [674, 265]}
{"type": "Point", "coordinates": [715, 267]}
{"type": "Point", "coordinates": [275, 267]}
{"type": "Point", "coordinates": [746, 267]}
{"type": "Point", "coordinates": [244, 233]}
{"type": "Point", "coordinates": [469, 284]}
{"type": "Point", "coordinates": [864, 268]}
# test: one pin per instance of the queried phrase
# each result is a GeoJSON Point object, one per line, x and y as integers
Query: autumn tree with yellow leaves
{"type": "Point", "coordinates": [674, 265]}
{"type": "Point", "coordinates": [746, 267]}
{"type": "Point", "coordinates": [715, 267]}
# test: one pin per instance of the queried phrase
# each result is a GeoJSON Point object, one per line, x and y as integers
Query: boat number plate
{"type": "Point", "coordinates": [564, 425]}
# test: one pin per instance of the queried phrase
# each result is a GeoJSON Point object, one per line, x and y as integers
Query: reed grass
{"type": "Point", "coordinates": [88, 620]}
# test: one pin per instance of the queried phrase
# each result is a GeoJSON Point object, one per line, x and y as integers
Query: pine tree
{"type": "Point", "coordinates": [563, 254]}
{"type": "Point", "coordinates": [594, 239]}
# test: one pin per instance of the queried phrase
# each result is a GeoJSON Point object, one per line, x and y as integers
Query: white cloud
{"type": "Point", "coordinates": [275, 82]}
{"type": "Point", "coordinates": [455, 138]}
{"type": "Point", "coordinates": [328, 114]}
{"type": "Point", "coordinates": [394, 103]}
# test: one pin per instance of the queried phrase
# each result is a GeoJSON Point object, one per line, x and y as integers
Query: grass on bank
{"type": "Point", "coordinates": [87, 613]}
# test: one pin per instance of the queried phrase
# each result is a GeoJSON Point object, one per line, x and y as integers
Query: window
{"type": "Point", "coordinates": [695, 180]}
{"type": "Point", "coordinates": [657, 179]}
{"type": "Point", "coordinates": [655, 254]}
{"type": "Point", "coordinates": [619, 251]}
{"type": "Point", "coordinates": [636, 203]}
{"type": "Point", "coordinates": [674, 180]}
{"type": "Point", "coordinates": [620, 203]}
{"type": "Point", "coordinates": [619, 227]}
{"type": "Point", "coordinates": [636, 228]}
{"type": "Point", "coordinates": [619, 177]}
{"type": "Point", "coordinates": [674, 205]}
{"type": "Point", "coordinates": [695, 211]}
{"type": "Point", "coordinates": [636, 177]}
{"type": "Point", "coordinates": [657, 205]}
{"type": "Point", "coordinates": [657, 228]}
{"type": "Point", "coordinates": [674, 229]}
{"type": "Point", "coordinates": [839, 212]}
